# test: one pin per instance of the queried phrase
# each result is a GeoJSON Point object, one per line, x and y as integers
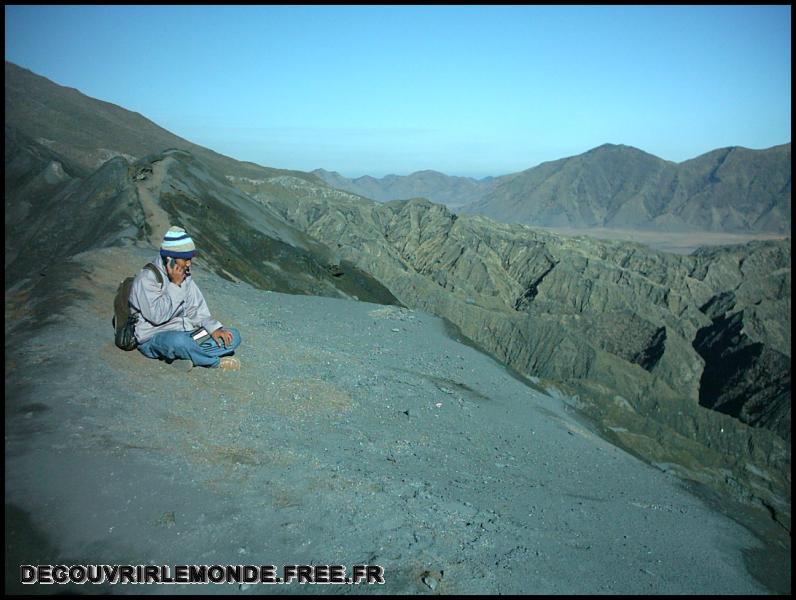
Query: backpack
{"type": "Point", "coordinates": [124, 319]}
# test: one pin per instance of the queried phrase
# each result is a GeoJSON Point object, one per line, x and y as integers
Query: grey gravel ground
{"type": "Point", "coordinates": [354, 434]}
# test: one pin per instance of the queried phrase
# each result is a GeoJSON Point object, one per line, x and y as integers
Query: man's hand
{"type": "Point", "coordinates": [222, 335]}
{"type": "Point", "coordinates": [177, 273]}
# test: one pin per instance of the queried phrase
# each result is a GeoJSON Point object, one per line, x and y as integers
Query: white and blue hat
{"type": "Point", "coordinates": [178, 244]}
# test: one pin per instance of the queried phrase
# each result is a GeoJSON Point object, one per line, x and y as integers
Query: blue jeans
{"type": "Point", "coordinates": [171, 345]}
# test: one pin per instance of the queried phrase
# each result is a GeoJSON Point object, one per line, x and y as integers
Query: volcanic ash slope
{"type": "Point", "coordinates": [355, 433]}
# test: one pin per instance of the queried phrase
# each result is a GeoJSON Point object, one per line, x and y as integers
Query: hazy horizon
{"type": "Point", "coordinates": [471, 91]}
{"type": "Point", "coordinates": [525, 169]}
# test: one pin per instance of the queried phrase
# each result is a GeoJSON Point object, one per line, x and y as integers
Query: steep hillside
{"type": "Point", "coordinates": [88, 132]}
{"type": "Point", "coordinates": [735, 189]}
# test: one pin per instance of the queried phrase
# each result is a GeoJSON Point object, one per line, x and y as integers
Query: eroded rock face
{"type": "Point", "coordinates": [613, 320]}
{"type": "Point", "coordinates": [746, 346]}
{"type": "Point", "coordinates": [642, 307]}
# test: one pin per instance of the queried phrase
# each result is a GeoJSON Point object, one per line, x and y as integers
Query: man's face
{"type": "Point", "coordinates": [184, 264]}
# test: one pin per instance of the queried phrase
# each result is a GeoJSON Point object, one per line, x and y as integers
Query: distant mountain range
{"type": "Point", "coordinates": [452, 191]}
{"type": "Point", "coordinates": [614, 186]}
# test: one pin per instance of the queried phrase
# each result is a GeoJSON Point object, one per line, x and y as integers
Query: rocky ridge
{"type": "Point", "coordinates": [50, 218]}
{"type": "Point", "coordinates": [88, 132]}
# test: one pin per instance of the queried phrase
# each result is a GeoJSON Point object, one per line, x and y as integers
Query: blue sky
{"type": "Point", "coordinates": [466, 90]}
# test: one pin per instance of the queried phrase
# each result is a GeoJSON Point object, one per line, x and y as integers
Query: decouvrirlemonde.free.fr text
{"type": "Point", "coordinates": [249, 574]}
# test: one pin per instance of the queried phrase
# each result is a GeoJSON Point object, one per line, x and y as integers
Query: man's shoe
{"type": "Point", "coordinates": [229, 363]}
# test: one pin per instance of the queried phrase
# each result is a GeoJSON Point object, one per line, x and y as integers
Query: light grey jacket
{"type": "Point", "coordinates": [169, 307]}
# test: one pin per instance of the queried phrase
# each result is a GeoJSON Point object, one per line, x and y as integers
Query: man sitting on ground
{"type": "Point", "coordinates": [172, 312]}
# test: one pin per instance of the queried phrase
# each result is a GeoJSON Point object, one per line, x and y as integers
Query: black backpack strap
{"type": "Point", "coordinates": [155, 270]}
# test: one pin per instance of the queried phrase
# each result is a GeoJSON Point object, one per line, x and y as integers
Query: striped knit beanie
{"type": "Point", "coordinates": [178, 244]}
